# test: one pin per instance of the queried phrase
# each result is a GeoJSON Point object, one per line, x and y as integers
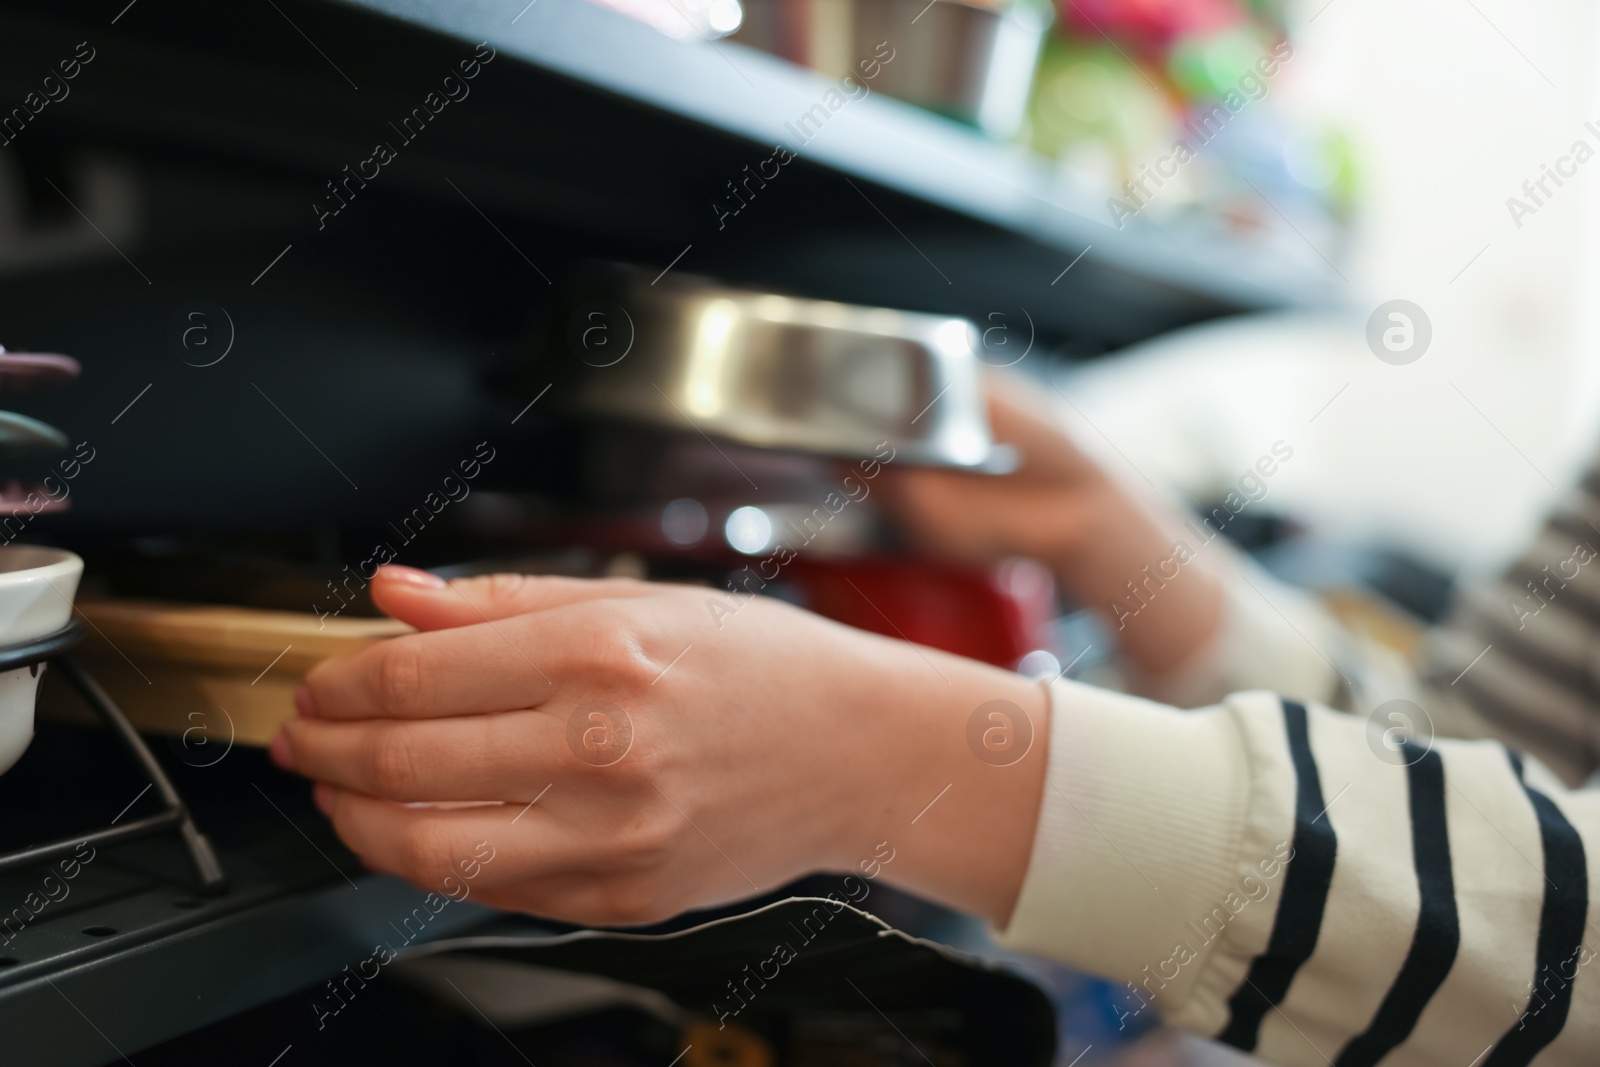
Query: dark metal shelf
{"type": "Point", "coordinates": [131, 954]}
{"type": "Point", "coordinates": [591, 134]}
{"type": "Point", "coordinates": [1030, 226]}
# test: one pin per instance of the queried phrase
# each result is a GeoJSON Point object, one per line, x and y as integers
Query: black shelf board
{"type": "Point", "coordinates": [1030, 225]}
{"type": "Point", "coordinates": [593, 135]}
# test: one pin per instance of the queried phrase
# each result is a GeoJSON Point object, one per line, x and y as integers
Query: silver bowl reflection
{"type": "Point", "coordinates": [775, 371]}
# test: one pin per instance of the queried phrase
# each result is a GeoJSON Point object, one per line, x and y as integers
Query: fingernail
{"type": "Point", "coordinates": [303, 703]}
{"type": "Point", "coordinates": [281, 751]}
{"type": "Point", "coordinates": [411, 576]}
{"type": "Point", "coordinates": [323, 796]}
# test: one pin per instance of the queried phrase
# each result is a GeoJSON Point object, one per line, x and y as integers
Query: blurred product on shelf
{"type": "Point", "coordinates": [706, 19]}
{"type": "Point", "coordinates": [1160, 109]}
{"type": "Point", "coordinates": [20, 435]}
{"type": "Point", "coordinates": [969, 60]}
{"type": "Point", "coordinates": [1094, 112]}
{"type": "Point", "coordinates": [1171, 108]}
{"type": "Point", "coordinates": [1152, 26]}
{"type": "Point", "coordinates": [21, 369]}
{"type": "Point", "coordinates": [37, 585]}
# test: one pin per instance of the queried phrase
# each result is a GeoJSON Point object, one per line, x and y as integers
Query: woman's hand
{"type": "Point", "coordinates": [1062, 509]}
{"type": "Point", "coordinates": [646, 753]}
{"type": "Point", "coordinates": [1049, 509]}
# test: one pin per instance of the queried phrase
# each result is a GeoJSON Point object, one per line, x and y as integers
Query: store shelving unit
{"type": "Point", "coordinates": [199, 138]}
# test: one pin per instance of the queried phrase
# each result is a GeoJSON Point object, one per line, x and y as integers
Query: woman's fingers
{"type": "Point", "coordinates": [521, 858]}
{"type": "Point", "coordinates": [510, 756]}
{"type": "Point", "coordinates": [488, 666]}
{"type": "Point", "coordinates": [467, 671]}
{"type": "Point", "coordinates": [480, 845]}
{"type": "Point", "coordinates": [1022, 416]}
{"type": "Point", "coordinates": [428, 602]}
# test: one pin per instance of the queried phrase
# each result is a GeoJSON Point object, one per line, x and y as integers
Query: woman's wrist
{"type": "Point", "coordinates": [1144, 575]}
{"type": "Point", "coordinates": [956, 798]}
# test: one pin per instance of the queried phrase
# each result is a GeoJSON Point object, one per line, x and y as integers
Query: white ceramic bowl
{"type": "Point", "coordinates": [36, 590]}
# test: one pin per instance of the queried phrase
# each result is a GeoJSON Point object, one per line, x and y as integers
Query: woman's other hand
{"type": "Point", "coordinates": [1061, 508]}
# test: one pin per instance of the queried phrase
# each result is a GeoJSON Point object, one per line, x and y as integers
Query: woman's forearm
{"type": "Point", "coordinates": [966, 748]}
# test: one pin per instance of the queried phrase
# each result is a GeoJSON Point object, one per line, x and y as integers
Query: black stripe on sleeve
{"type": "Point", "coordinates": [1561, 922]}
{"type": "Point", "coordinates": [1305, 894]}
{"type": "Point", "coordinates": [1438, 932]}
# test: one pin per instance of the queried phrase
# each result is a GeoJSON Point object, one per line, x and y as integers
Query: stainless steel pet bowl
{"type": "Point", "coordinates": [773, 371]}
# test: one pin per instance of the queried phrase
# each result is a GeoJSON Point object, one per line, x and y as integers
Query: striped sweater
{"type": "Point", "coordinates": [1307, 884]}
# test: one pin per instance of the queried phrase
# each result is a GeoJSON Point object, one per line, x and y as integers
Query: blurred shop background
{"type": "Point", "coordinates": [1380, 139]}
{"type": "Point", "coordinates": [1363, 229]}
